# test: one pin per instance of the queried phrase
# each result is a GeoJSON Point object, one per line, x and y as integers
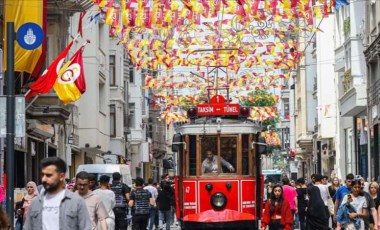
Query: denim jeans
{"type": "Point", "coordinates": [151, 217]}
{"type": "Point", "coordinates": [165, 216]}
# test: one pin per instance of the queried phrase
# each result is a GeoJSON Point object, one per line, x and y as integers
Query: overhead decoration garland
{"type": "Point", "coordinates": [256, 41]}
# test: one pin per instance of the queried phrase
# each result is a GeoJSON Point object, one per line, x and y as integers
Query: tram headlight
{"type": "Point", "coordinates": [218, 200]}
{"type": "Point", "coordinates": [192, 112]}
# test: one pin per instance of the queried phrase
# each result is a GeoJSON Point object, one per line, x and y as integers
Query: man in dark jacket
{"type": "Point", "coordinates": [165, 202]}
{"type": "Point", "coordinates": [121, 191]}
{"type": "Point", "coordinates": [141, 200]}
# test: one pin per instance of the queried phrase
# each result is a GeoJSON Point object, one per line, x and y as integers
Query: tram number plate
{"type": "Point", "coordinates": [249, 204]}
{"type": "Point", "coordinates": [190, 205]}
{"type": "Point", "coordinates": [218, 109]}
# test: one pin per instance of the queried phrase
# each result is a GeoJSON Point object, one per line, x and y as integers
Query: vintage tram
{"type": "Point", "coordinates": [228, 196]}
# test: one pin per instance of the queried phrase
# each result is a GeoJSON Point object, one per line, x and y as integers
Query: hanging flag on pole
{"type": "Point", "coordinates": [46, 81]}
{"type": "Point", "coordinates": [80, 26]}
{"type": "Point", "coordinates": [21, 12]}
{"type": "Point", "coordinates": [71, 83]}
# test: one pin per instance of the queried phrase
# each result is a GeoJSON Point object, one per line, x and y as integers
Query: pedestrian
{"type": "Point", "coordinates": [121, 191]}
{"type": "Point", "coordinates": [325, 180]}
{"type": "Point", "coordinates": [321, 182]}
{"type": "Point", "coordinates": [32, 192]}
{"type": "Point", "coordinates": [153, 209]}
{"type": "Point", "coordinates": [95, 206]}
{"type": "Point", "coordinates": [372, 188]}
{"type": "Point", "coordinates": [268, 190]}
{"type": "Point", "coordinates": [140, 200]}
{"type": "Point", "coordinates": [56, 208]}
{"type": "Point", "coordinates": [371, 207]}
{"type": "Point", "coordinates": [165, 201]}
{"type": "Point", "coordinates": [312, 180]}
{"type": "Point", "coordinates": [277, 213]}
{"type": "Point", "coordinates": [293, 184]}
{"type": "Point", "coordinates": [341, 192]}
{"type": "Point", "coordinates": [317, 216]}
{"type": "Point", "coordinates": [70, 187]}
{"type": "Point", "coordinates": [356, 205]}
{"type": "Point", "coordinates": [301, 189]}
{"type": "Point", "coordinates": [156, 185]}
{"type": "Point", "coordinates": [335, 184]}
{"type": "Point", "coordinates": [108, 198]}
{"type": "Point", "coordinates": [4, 220]}
{"type": "Point", "coordinates": [93, 182]}
{"type": "Point", "coordinates": [290, 194]}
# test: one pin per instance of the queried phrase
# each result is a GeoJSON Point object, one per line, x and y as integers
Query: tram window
{"type": "Point", "coordinates": [245, 160]}
{"type": "Point", "coordinates": [193, 155]}
{"type": "Point", "coordinates": [209, 154]}
{"type": "Point", "coordinates": [228, 154]}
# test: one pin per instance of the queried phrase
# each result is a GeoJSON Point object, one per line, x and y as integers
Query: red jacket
{"type": "Point", "coordinates": [286, 215]}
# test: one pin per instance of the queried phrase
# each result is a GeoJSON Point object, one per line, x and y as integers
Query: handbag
{"type": "Point", "coordinates": [330, 205]}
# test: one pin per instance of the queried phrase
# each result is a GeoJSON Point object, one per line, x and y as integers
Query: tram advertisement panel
{"type": "Point", "coordinates": [248, 203]}
{"type": "Point", "coordinates": [190, 197]}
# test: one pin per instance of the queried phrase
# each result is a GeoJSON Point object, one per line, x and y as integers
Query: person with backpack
{"type": "Point", "coordinates": [141, 200]}
{"type": "Point", "coordinates": [165, 202]}
{"type": "Point", "coordinates": [120, 210]}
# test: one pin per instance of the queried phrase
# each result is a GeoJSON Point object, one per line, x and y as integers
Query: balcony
{"type": "Point", "coordinates": [70, 5]}
{"type": "Point", "coordinates": [49, 109]}
{"type": "Point", "coordinates": [353, 101]}
{"type": "Point", "coordinates": [305, 143]}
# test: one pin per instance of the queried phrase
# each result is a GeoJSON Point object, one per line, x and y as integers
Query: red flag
{"type": "Point", "coordinates": [80, 31]}
{"type": "Point", "coordinates": [132, 17]}
{"type": "Point", "coordinates": [116, 17]}
{"type": "Point", "coordinates": [110, 3]}
{"type": "Point", "coordinates": [255, 7]}
{"type": "Point", "coordinates": [147, 17]}
{"type": "Point", "coordinates": [45, 82]}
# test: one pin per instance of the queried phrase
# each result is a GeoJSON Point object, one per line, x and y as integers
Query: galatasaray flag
{"type": "Point", "coordinates": [48, 78]}
{"type": "Point", "coordinates": [20, 12]}
{"type": "Point", "coordinates": [71, 83]}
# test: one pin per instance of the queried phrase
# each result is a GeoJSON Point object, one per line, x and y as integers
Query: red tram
{"type": "Point", "coordinates": [229, 196]}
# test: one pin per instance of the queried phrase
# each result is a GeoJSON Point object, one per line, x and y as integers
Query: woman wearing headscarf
{"type": "Point", "coordinates": [317, 216]}
{"type": "Point", "coordinates": [32, 192]}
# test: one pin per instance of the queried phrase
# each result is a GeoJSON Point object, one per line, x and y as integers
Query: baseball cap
{"type": "Point", "coordinates": [116, 176]}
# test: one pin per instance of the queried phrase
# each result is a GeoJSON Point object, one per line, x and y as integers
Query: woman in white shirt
{"type": "Point", "coordinates": [356, 200]}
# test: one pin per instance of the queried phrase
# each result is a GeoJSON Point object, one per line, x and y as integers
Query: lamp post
{"type": "Point", "coordinates": [10, 82]}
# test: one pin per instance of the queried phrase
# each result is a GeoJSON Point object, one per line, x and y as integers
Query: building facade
{"type": "Point", "coordinates": [351, 79]}
{"type": "Point", "coordinates": [371, 40]}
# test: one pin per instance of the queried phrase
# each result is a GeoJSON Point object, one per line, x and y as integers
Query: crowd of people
{"type": "Point", "coordinates": [90, 204]}
{"type": "Point", "coordinates": [322, 205]}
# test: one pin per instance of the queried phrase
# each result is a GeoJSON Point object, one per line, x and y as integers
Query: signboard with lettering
{"type": "Point", "coordinates": [218, 106]}
{"type": "Point", "coordinates": [19, 116]}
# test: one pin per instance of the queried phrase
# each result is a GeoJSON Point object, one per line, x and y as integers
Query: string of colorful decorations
{"type": "Point", "coordinates": [256, 41]}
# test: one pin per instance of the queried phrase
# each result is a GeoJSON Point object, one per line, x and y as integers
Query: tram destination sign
{"type": "Point", "coordinates": [218, 109]}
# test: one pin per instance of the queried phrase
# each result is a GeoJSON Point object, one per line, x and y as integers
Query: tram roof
{"type": "Point", "coordinates": [219, 126]}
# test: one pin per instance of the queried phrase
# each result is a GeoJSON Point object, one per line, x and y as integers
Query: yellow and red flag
{"type": "Point", "coordinates": [20, 12]}
{"type": "Point", "coordinates": [45, 82]}
{"type": "Point", "coordinates": [71, 83]}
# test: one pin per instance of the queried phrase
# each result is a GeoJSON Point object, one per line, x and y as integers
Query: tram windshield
{"type": "Point", "coordinates": [212, 162]}
{"type": "Point", "coordinates": [214, 155]}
